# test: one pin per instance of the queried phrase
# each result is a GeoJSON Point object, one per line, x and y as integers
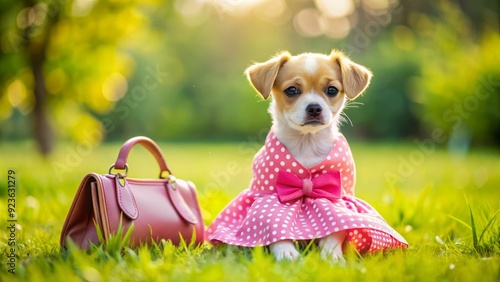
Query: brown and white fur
{"type": "Point", "coordinates": [309, 92]}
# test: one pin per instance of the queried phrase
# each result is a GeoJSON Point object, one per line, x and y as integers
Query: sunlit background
{"type": "Point", "coordinates": [90, 70]}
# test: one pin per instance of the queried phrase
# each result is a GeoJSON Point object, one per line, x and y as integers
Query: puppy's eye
{"type": "Point", "coordinates": [332, 91]}
{"type": "Point", "coordinates": [292, 91]}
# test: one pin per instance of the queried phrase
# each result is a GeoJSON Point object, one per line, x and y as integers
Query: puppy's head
{"type": "Point", "coordinates": [309, 90]}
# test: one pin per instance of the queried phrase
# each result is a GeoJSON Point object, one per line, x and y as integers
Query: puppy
{"type": "Point", "coordinates": [309, 92]}
{"type": "Point", "coordinates": [304, 175]}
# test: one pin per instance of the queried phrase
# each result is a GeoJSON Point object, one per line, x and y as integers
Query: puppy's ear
{"type": "Point", "coordinates": [355, 78]}
{"type": "Point", "coordinates": [263, 75]}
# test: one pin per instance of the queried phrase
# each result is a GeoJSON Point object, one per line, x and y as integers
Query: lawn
{"type": "Point", "coordinates": [427, 194]}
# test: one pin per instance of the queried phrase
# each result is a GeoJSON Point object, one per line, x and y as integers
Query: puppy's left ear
{"type": "Point", "coordinates": [263, 75]}
{"type": "Point", "coordinates": [355, 77]}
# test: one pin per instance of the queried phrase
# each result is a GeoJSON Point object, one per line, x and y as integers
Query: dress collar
{"type": "Point", "coordinates": [275, 145]}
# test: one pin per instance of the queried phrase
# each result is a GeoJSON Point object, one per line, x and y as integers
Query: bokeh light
{"type": "Point", "coordinates": [336, 8]}
{"type": "Point", "coordinates": [308, 23]}
{"type": "Point", "coordinates": [114, 87]}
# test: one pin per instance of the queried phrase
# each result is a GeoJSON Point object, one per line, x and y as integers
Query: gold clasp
{"type": "Point", "coordinates": [119, 174]}
{"type": "Point", "coordinates": [171, 180]}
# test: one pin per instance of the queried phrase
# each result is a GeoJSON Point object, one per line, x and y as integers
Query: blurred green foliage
{"type": "Point", "coordinates": [459, 91]}
{"type": "Point", "coordinates": [173, 70]}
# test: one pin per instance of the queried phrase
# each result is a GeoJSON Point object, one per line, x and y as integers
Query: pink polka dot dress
{"type": "Point", "coordinates": [287, 201]}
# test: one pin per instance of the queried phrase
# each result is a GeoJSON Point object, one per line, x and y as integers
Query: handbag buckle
{"type": "Point", "coordinates": [118, 174]}
{"type": "Point", "coordinates": [171, 180]}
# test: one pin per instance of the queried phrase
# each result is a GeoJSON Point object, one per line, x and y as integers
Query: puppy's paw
{"type": "Point", "coordinates": [334, 254]}
{"type": "Point", "coordinates": [331, 247]}
{"type": "Point", "coordinates": [284, 250]}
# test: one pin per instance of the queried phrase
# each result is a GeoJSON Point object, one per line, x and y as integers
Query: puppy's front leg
{"type": "Point", "coordinates": [284, 250]}
{"type": "Point", "coordinates": [331, 246]}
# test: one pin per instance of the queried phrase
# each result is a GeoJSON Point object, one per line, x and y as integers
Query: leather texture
{"type": "Point", "coordinates": [157, 208]}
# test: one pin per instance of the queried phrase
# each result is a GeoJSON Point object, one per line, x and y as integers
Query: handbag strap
{"type": "Point", "coordinates": [150, 145]}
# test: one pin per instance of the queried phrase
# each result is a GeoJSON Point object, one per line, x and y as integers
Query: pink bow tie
{"type": "Point", "coordinates": [290, 187]}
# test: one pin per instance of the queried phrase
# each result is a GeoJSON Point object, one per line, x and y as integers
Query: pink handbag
{"type": "Point", "coordinates": [164, 208]}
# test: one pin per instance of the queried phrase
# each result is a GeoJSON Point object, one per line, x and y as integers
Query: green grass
{"type": "Point", "coordinates": [445, 205]}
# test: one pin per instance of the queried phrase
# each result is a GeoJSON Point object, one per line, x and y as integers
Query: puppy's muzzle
{"type": "Point", "coordinates": [313, 115]}
{"type": "Point", "coordinates": [313, 110]}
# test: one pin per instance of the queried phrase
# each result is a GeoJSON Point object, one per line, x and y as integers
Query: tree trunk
{"type": "Point", "coordinates": [43, 132]}
{"type": "Point", "coordinates": [36, 49]}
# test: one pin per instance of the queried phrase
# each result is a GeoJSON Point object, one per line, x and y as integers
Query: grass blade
{"type": "Point", "coordinates": [460, 221]}
{"type": "Point", "coordinates": [490, 222]}
{"type": "Point", "coordinates": [473, 226]}
{"type": "Point", "coordinates": [100, 234]}
{"type": "Point", "coordinates": [128, 234]}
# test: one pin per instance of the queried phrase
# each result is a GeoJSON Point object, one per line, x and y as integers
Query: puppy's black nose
{"type": "Point", "coordinates": [314, 110]}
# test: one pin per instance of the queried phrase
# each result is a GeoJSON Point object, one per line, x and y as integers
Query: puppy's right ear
{"type": "Point", "coordinates": [263, 75]}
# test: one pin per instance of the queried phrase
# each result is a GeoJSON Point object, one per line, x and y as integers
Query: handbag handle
{"type": "Point", "coordinates": [150, 145]}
